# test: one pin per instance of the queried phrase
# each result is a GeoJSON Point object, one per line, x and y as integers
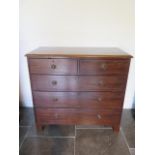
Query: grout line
{"type": "Point", "coordinates": [93, 128]}
{"type": "Point", "coordinates": [75, 141]}
{"type": "Point", "coordinates": [24, 138]}
{"type": "Point", "coordinates": [125, 139]}
{"type": "Point", "coordinates": [74, 145]}
{"type": "Point", "coordinates": [75, 131]}
{"type": "Point", "coordinates": [52, 137]}
{"type": "Point", "coordinates": [132, 150]}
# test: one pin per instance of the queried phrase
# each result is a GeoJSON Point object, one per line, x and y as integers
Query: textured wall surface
{"type": "Point", "coordinates": [102, 23]}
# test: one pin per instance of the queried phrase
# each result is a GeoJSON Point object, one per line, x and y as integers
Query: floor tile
{"type": "Point", "coordinates": [132, 151]}
{"type": "Point", "coordinates": [22, 133]}
{"type": "Point", "coordinates": [100, 142]}
{"type": "Point", "coordinates": [59, 139]}
{"type": "Point", "coordinates": [128, 127]}
{"type": "Point", "coordinates": [26, 116]}
{"type": "Point", "coordinates": [91, 127]}
{"type": "Point", "coordinates": [47, 146]}
{"type": "Point", "coordinates": [53, 130]}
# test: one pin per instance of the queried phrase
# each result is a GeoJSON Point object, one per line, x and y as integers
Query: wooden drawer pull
{"type": "Point", "coordinates": [99, 99]}
{"type": "Point", "coordinates": [55, 99]}
{"type": "Point", "coordinates": [54, 82]}
{"type": "Point", "coordinates": [103, 66]}
{"type": "Point", "coordinates": [101, 83]}
{"type": "Point", "coordinates": [56, 116]}
{"type": "Point", "coordinates": [53, 66]}
{"type": "Point", "coordinates": [99, 116]}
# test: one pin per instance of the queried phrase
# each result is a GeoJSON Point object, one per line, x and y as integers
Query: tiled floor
{"type": "Point", "coordinates": [75, 140]}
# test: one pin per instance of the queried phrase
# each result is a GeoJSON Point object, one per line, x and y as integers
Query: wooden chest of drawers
{"type": "Point", "coordinates": [78, 85]}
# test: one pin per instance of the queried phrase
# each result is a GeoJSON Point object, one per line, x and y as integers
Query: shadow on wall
{"type": "Point", "coordinates": [20, 96]}
{"type": "Point", "coordinates": [133, 108]}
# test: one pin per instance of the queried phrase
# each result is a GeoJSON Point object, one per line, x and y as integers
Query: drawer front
{"type": "Point", "coordinates": [75, 83]}
{"type": "Point", "coordinates": [53, 83]}
{"type": "Point", "coordinates": [99, 67]}
{"type": "Point", "coordinates": [102, 83]}
{"type": "Point", "coordinates": [76, 116]}
{"type": "Point", "coordinates": [53, 66]}
{"type": "Point", "coordinates": [78, 99]}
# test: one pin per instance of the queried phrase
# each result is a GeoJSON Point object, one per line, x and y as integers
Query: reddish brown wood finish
{"type": "Point", "coordinates": [77, 116]}
{"type": "Point", "coordinates": [99, 67]}
{"type": "Point", "coordinates": [79, 52]}
{"type": "Point", "coordinates": [101, 83]}
{"type": "Point", "coordinates": [54, 83]}
{"type": "Point", "coordinates": [86, 100]}
{"type": "Point", "coordinates": [78, 88]}
{"type": "Point", "coordinates": [78, 83]}
{"type": "Point", "coordinates": [53, 66]}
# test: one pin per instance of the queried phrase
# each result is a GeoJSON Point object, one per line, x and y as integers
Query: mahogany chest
{"type": "Point", "coordinates": [78, 85]}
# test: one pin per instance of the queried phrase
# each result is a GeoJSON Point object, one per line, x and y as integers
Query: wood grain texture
{"type": "Point", "coordinates": [53, 66]}
{"type": "Point", "coordinates": [78, 52]}
{"type": "Point", "coordinates": [78, 85]}
{"type": "Point", "coordinates": [104, 67]}
{"type": "Point", "coordinates": [99, 100]}
{"type": "Point", "coordinates": [77, 116]}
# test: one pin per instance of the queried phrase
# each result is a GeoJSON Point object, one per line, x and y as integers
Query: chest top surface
{"type": "Point", "coordinates": [78, 52]}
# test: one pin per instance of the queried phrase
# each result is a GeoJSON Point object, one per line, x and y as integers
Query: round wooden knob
{"type": "Point", "coordinates": [99, 116]}
{"type": "Point", "coordinates": [54, 82]}
{"type": "Point", "coordinates": [100, 83]}
{"type": "Point", "coordinates": [53, 66]}
{"type": "Point", "coordinates": [56, 115]}
{"type": "Point", "coordinates": [102, 66]}
{"type": "Point", "coordinates": [99, 99]}
{"type": "Point", "coordinates": [55, 99]}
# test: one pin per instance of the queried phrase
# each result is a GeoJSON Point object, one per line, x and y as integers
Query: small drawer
{"type": "Point", "coordinates": [102, 83]}
{"type": "Point", "coordinates": [92, 100]}
{"type": "Point", "coordinates": [77, 116]}
{"type": "Point", "coordinates": [100, 67]}
{"type": "Point", "coordinates": [53, 66]}
{"type": "Point", "coordinates": [53, 83]}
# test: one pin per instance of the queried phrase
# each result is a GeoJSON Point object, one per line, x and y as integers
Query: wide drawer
{"type": "Point", "coordinates": [102, 83]}
{"type": "Point", "coordinates": [77, 83]}
{"type": "Point", "coordinates": [77, 116]}
{"type": "Point", "coordinates": [99, 67]}
{"type": "Point", "coordinates": [78, 99]}
{"type": "Point", "coordinates": [53, 66]}
{"type": "Point", "coordinates": [53, 83]}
